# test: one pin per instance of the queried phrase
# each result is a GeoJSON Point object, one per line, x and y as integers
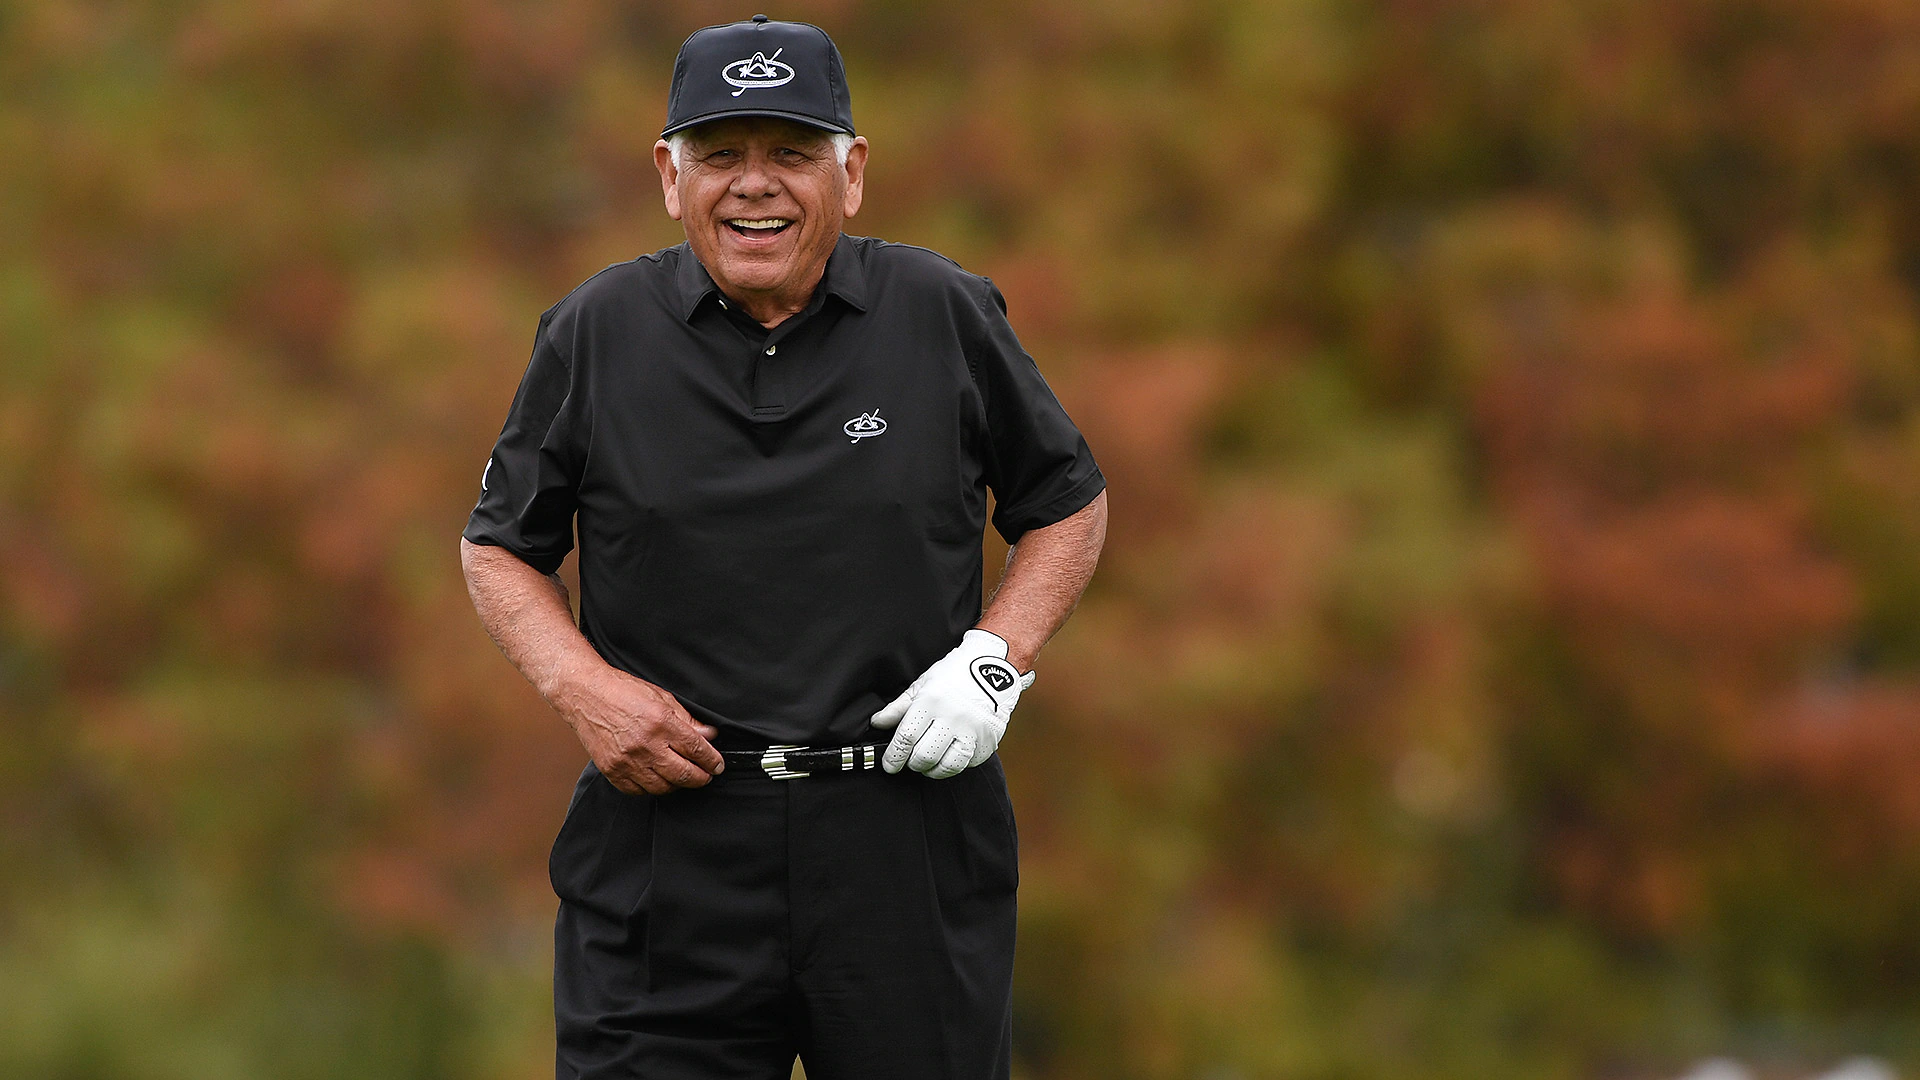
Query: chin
{"type": "Point", "coordinates": [756, 274]}
{"type": "Point", "coordinates": [770, 264]}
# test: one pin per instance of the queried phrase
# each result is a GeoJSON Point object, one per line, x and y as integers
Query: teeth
{"type": "Point", "coordinates": [763, 223]}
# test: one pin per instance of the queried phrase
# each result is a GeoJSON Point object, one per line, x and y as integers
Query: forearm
{"type": "Point", "coordinates": [1046, 573]}
{"type": "Point", "coordinates": [639, 736]}
{"type": "Point", "coordinates": [528, 617]}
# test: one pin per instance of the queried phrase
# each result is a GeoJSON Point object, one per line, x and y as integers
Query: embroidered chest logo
{"type": "Point", "coordinates": [865, 426]}
{"type": "Point", "coordinates": [758, 72]}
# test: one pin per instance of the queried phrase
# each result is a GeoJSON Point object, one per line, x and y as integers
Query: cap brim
{"type": "Point", "coordinates": [798, 118]}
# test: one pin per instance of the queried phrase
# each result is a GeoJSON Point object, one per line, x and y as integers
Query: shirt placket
{"type": "Point", "coordinates": [770, 376]}
{"type": "Point", "coordinates": [767, 371]}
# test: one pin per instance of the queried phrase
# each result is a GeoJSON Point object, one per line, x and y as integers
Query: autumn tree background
{"type": "Point", "coordinates": [1505, 662]}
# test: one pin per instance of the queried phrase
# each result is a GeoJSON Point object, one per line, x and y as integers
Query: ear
{"type": "Point", "coordinates": [669, 177]}
{"type": "Point", "coordinates": [856, 175]}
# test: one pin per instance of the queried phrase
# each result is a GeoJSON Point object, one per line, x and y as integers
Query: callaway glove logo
{"type": "Point", "coordinates": [994, 676]}
{"type": "Point", "coordinates": [758, 72]}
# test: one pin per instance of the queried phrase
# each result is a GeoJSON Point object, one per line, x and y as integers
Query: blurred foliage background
{"type": "Point", "coordinates": [1506, 660]}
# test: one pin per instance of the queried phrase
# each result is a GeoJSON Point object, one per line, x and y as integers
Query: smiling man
{"type": "Point", "coordinates": [775, 443]}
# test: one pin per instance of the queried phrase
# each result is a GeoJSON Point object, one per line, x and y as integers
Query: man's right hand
{"type": "Point", "coordinates": [639, 736]}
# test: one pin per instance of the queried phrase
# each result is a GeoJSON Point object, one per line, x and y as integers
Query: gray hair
{"type": "Point", "coordinates": [842, 142]}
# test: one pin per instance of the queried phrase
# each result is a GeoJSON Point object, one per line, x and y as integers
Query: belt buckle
{"type": "Point", "coordinates": [774, 761]}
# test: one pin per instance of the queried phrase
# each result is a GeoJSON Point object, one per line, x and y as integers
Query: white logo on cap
{"type": "Point", "coordinates": [759, 72]}
{"type": "Point", "coordinates": [865, 426]}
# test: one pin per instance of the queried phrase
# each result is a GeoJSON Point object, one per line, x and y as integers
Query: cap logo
{"type": "Point", "coordinates": [758, 72]}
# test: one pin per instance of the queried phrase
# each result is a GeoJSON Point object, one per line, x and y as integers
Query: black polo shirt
{"type": "Point", "coordinates": [780, 528]}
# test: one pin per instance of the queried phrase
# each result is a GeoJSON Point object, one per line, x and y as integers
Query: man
{"type": "Point", "coordinates": [775, 442]}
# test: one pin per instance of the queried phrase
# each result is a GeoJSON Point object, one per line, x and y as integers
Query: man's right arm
{"type": "Point", "coordinates": [640, 737]}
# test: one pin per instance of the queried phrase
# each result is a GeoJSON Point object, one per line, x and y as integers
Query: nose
{"type": "Point", "coordinates": [755, 179]}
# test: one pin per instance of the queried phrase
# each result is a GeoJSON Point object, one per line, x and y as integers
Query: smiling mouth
{"type": "Point", "coordinates": [758, 227]}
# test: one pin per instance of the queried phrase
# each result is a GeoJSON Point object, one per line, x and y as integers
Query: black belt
{"type": "Point", "coordinates": [794, 762]}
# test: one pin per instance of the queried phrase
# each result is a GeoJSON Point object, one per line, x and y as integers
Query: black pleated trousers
{"type": "Point", "coordinates": [861, 921]}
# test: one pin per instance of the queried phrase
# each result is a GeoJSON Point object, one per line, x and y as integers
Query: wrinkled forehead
{"type": "Point", "coordinates": [757, 130]}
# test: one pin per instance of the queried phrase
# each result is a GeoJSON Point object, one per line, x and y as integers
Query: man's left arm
{"type": "Point", "coordinates": [1046, 573]}
{"type": "Point", "coordinates": [953, 716]}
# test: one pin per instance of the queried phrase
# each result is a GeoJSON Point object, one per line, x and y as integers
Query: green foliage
{"type": "Point", "coordinates": [1506, 660]}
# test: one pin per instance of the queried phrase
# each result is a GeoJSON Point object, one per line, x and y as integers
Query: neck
{"type": "Point", "coordinates": [772, 307]}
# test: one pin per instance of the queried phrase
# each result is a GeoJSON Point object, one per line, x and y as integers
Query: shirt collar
{"type": "Point", "coordinates": [845, 278]}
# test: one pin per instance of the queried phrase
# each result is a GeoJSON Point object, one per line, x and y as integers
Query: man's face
{"type": "Point", "coordinates": [762, 201]}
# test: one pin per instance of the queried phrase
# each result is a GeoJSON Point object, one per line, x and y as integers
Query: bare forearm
{"type": "Point", "coordinates": [639, 736]}
{"type": "Point", "coordinates": [527, 616]}
{"type": "Point", "coordinates": [1046, 573]}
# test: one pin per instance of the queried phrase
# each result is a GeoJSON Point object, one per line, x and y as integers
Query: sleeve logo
{"type": "Point", "coordinates": [758, 72]}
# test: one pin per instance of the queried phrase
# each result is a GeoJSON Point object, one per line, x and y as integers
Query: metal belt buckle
{"type": "Point", "coordinates": [774, 761]}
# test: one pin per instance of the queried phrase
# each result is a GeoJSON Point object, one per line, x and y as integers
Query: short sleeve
{"type": "Point", "coordinates": [528, 491]}
{"type": "Point", "coordinates": [1039, 467]}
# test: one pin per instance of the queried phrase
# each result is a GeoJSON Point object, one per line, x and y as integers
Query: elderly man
{"type": "Point", "coordinates": [776, 442]}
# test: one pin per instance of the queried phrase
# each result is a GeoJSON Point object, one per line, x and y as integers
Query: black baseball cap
{"type": "Point", "coordinates": [759, 68]}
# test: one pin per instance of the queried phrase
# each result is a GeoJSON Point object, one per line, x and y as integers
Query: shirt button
{"type": "Point", "coordinates": [770, 349]}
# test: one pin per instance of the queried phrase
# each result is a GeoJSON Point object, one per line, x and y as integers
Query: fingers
{"type": "Point", "coordinates": [636, 781]}
{"type": "Point", "coordinates": [693, 746]}
{"type": "Point", "coordinates": [982, 750]}
{"type": "Point", "coordinates": [690, 740]}
{"type": "Point", "coordinates": [957, 758]}
{"type": "Point", "coordinates": [681, 772]}
{"type": "Point", "coordinates": [933, 746]}
{"type": "Point", "coordinates": [900, 747]}
{"type": "Point", "coordinates": [891, 713]}
{"type": "Point", "coordinates": [659, 776]}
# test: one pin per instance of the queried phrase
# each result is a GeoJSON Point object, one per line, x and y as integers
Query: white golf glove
{"type": "Point", "coordinates": [952, 717]}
